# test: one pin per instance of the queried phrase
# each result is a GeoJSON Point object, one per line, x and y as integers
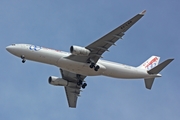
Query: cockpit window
{"type": "Point", "coordinates": [13, 44]}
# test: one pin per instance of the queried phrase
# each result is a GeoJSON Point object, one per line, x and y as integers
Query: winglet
{"type": "Point", "coordinates": [143, 12]}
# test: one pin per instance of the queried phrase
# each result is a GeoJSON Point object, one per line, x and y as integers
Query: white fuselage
{"type": "Point", "coordinates": [58, 58]}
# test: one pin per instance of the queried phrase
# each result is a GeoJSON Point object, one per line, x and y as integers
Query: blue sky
{"type": "Point", "coordinates": [25, 92]}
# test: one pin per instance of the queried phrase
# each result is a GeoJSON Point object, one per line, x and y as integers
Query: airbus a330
{"type": "Point", "coordinates": [85, 61]}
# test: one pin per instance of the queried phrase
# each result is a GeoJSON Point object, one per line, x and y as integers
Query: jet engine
{"type": "Point", "coordinates": [81, 51]}
{"type": "Point", "coordinates": [57, 81]}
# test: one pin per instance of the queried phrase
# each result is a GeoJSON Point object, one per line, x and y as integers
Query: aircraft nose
{"type": "Point", "coordinates": [14, 49]}
{"type": "Point", "coordinates": [9, 48]}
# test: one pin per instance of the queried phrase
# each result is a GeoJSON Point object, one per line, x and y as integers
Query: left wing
{"type": "Point", "coordinates": [104, 43]}
{"type": "Point", "coordinates": [101, 45]}
{"type": "Point", "coordinates": [72, 90]}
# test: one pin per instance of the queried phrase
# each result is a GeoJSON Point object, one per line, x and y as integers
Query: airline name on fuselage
{"type": "Point", "coordinates": [37, 48]}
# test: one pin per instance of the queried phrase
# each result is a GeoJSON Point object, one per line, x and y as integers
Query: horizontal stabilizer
{"type": "Point", "coordinates": [149, 82]}
{"type": "Point", "coordinates": [159, 67]}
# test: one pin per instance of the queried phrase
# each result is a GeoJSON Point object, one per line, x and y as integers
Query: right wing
{"type": "Point", "coordinates": [72, 90]}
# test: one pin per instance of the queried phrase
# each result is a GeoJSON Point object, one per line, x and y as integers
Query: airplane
{"type": "Point", "coordinates": [85, 61]}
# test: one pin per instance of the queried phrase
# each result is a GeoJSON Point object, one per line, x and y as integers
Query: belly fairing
{"type": "Point", "coordinates": [79, 67]}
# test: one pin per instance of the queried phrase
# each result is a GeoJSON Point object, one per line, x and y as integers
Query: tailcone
{"type": "Point", "coordinates": [158, 75]}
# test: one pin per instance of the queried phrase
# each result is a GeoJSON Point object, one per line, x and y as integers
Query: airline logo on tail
{"type": "Point", "coordinates": [151, 63]}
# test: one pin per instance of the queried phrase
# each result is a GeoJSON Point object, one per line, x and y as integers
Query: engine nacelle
{"type": "Point", "coordinates": [81, 51]}
{"type": "Point", "coordinates": [57, 81]}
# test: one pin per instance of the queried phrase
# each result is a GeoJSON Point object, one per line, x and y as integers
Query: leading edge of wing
{"type": "Point", "coordinates": [121, 27]}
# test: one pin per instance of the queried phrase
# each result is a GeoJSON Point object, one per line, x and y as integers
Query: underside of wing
{"type": "Point", "coordinates": [104, 43]}
{"type": "Point", "coordinates": [72, 90]}
{"type": "Point", "coordinates": [72, 95]}
{"type": "Point", "coordinates": [101, 45]}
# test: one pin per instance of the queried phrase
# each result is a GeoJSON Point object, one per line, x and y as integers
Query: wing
{"type": "Point", "coordinates": [101, 45]}
{"type": "Point", "coordinates": [72, 90]}
{"type": "Point", "coordinates": [104, 43]}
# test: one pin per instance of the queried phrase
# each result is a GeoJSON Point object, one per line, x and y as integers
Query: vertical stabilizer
{"type": "Point", "coordinates": [150, 63]}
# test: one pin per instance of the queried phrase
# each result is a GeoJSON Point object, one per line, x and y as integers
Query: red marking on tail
{"type": "Point", "coordinates": [152, 61]}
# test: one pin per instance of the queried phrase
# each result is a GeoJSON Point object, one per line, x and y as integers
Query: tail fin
{"type": "Point", "coordinates": [156, 70]}
{"type": "Point", "coordinates": [150, 63]}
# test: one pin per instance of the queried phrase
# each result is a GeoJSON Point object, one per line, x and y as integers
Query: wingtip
{"type": "Point", "coordinates": [171, 59]}
{"type": "Point", "coordinates": [143, 12]}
